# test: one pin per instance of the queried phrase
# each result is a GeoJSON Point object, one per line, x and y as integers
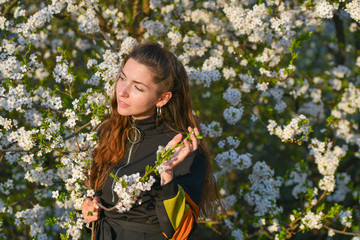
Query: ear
{"type": "Point", "coordinates": [163, 99]}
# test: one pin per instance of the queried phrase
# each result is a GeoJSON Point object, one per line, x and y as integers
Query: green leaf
{"type": "Point", "coordinates": [50, 221]}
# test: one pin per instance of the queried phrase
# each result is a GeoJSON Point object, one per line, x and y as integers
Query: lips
{"type": "Point", "coordinates": [122, 104]}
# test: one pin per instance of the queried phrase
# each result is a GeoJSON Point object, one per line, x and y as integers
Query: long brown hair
{"type": "Point", "coordinates": [171, 76]}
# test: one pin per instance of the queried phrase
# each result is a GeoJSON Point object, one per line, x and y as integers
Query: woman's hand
{"type": "Point", "coordinates": [179, 155]}
{"type": "Point", "coordinates": [90, 210]}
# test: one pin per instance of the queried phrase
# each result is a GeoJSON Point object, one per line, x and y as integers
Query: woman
{"type": "Point", "coordinates": [151, 107]}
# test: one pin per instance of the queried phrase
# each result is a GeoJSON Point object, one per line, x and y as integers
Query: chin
{"type": "Point", "coordinates": [122, 112]}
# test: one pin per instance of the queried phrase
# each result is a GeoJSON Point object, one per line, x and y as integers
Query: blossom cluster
{"type": "Point", "coordinates": [299, 178]}
{"type": "Point", "coordinates": [128, 189]}
{"type": "Point", "coordinates": [58, 64]}
{"type": "Point", "coordinates": [297, 126]}
{"type": "Point", "coordinates": [327, 161]}
{"type": "Point", "coordinates": [231, 160]}
{"type": "Point", "coordinates": [264, 190]}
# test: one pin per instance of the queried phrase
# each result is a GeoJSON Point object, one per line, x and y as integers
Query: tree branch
{"type": "Point", "coordinates": [28, 197]}
{"type": "Point", "coordinates": [340, 36]}
{"type": "Point", "coordinates": [9, 7]}
{"type": "Point", "coordinates": [341, 232]}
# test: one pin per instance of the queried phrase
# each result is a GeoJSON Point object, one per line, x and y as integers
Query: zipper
{"type": "Point", "coordinates": [133, 142]}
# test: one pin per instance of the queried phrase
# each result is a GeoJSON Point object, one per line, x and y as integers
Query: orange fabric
{"type": "Point", "coordinates": [187, 221]}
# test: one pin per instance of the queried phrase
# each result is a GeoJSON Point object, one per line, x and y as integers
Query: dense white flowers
{"type": "Point", "coordinates": [175, 38]}
{"type": "Point", "coordinates": [127, 45]}
{"type": "Point", "coordinates": [327, 161]}
{"type": "Point", "coordinates": [88, 22]}
{"type": "Point", "coordinates": [72, 118]}
{"type": "Point", "coordinates": [264, 190]}
{"type": "Point", "coordinates": [232, 96]}
{"type": "Point", "coordinates": [237, 234]}
{"type": "Point", "coordinates": [262, 86]}
{"type": "Point", "coordinates": [298, 177]}
{"type": "Point", "coordinates": [297, 126]}
{"type": "Point", "coordinates": [61, 72]}
{"type": "Point", "coordinates": [128, 188]}
{"type": "Point", "coordinates": [32, 217]}
{"type": "Point", "coordinates": [11, 68]}
{"type": "Point", "coordinates": [312, 220]}
{"type": "Point", "coordinates": [232, 115]}
{"type": "Point", "coordinates": [214, 129]}
{"type": "Point", "coordinates": [38, 19]}
{"type": "Point", "coordinates": [230, 160]}
{"type": "Point", "coordinates": [40, 175]}
{"type": "Point", "coordinates": [341, 191]}
{"type": "Point", "coordinates": [324, 9]}
{"type": "Point", "coordinates": [7, 186]}
{"type": "Point", "coordinates": [353, 8]}
{"type": "Point", "coordinates": [345, 218]}
{"type": "Point", "coordinates": [246, 20]}
{"type": "Point", "coordinates": [236, 54]}
{"type": "Point", "coordinates": [340, 71]}
{"type": "Point", "coordinates": [23, 138]}
{"type": "Point", "coordinates": [3, 23]}
{"type": "Point", "coordinates": [350, 101]}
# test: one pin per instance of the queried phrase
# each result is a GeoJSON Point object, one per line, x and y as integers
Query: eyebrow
{"type": "Point", "coordinates": [135, 81]}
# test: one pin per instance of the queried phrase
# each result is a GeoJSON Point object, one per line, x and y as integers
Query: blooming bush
{"type": "Point", "coordinates": [275, 84]}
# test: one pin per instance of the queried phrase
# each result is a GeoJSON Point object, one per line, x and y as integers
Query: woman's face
{"type": "Point", "coordinates": [136, 93]}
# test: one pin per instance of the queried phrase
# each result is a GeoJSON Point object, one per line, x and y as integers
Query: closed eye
{"type": "Point", "coordinates": [138, 88]}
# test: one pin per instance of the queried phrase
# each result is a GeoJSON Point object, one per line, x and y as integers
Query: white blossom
{"type": "Point", "coordinates": [345, 218]}
{"type": "Point", "coordinates": [353, 8]}
{"type": "Point", "coordinates": [324, 9]}
{"type": "Point", "coordinates": [214, 129]}
{"type": "Point", "coordinates": [237, 234]}
{"type": "Point", "coordinates": [232, 96]}
{"type": "Point", "coordinates": [264, 190]}
{"type": "Point", "coordinates": [231, 160]}
{"type": "Point", "coordinates": [128, 188]}
{"type": "Point", "coordinates": [232, 115]}
{"type": "Point", "coordinates": [88, 22]}
{"type": "Point", "coordinates": [297, 126]}
{"type": "Point", "coordinates": [312, 220]}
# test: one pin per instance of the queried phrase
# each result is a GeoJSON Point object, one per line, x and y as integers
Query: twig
{"type": "Point", "coordinates": [19, 150]}
{"type": "Point", "coordinates": [77, 143]}
{"type": "Point", "coordinates": [28, 197]}
{"type": "Point", "coordinates": [257, 117]}
{"type": "Point", "coordinates": [78, 130]}
{"type": "Point", "coordinates": [92, 230]}
{"type": "Point", "coordinates": [9, 7]}
{"type": "Point", "coordinates": [216, 231]}
{"type": "Point", "coordinates": [341, 232]}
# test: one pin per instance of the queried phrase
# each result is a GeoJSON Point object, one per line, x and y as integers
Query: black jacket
{"type": "Point", "coordinates": [166, 212]}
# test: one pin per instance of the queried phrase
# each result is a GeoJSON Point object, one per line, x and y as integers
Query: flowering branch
{"type": "Point", "coordinates": [341, 232]}
{"type": "Point", "coordinates": [128, 188]}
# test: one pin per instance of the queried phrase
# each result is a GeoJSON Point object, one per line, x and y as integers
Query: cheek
{"type": "Point", "coordinates": [117, 86]}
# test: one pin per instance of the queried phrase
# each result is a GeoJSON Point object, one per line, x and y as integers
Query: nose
{"type": "Point", "coordinates": [122, 89]}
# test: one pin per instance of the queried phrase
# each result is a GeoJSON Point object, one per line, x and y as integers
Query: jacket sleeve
{"type": "Point", "coordinates": [177, 202]}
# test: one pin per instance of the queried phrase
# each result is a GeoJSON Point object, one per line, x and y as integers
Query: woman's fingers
{"type": "Point", "coordinates": [90, 210]}
{"type": "Point", "coordinates": [187, 149]}
{"type": "Point", "coordinates": [194, 140]}
{"type": "Point", "coordinates": [95, 201]}
{"type": "Point", "coordinates": [180, 153]}
{"type": "Point", "coordinates": [174, 141]}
